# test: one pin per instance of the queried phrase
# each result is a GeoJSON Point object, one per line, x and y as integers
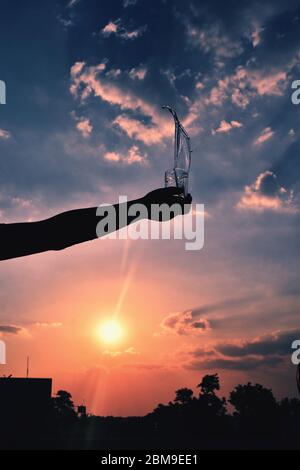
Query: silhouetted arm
{"type": "Point", "coordinates": [69, 228]}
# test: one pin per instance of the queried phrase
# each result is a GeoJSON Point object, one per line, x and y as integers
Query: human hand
{"type": "Point", "coordinates": [169, 197]}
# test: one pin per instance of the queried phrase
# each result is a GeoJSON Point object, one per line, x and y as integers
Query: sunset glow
{"type": "Point", "coordinates": [110, 331]}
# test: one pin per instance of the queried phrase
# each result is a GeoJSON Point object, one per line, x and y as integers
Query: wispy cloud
{"type": "Point", "coordinates": [85, 127]}
{"type": "Point", "coordinates": [226, 127]}
{"type": "Point", "coordinates": [269, 84]}
{"type": "Point", "coordinates": [212, 39]}
{"type": "Point", "coordinates": [4, 135]}
{"type": "Point", "coordinates": [72, 3]}
{"type": "Point", "coordinates": [116, 27]}
{"type": "Point", "coordinates": [256, 35]}
{"type": "Point", "coordinates": [246, 84]}
{"type": "Point", "coordinates": [113, 73]}
{"type": "Point", "coordinates": [129, 351]}
{"type": "Point", "coordinates": [265, 135]}
{"type": "Point", "coordinates": [135, 129]}
{"type": "Point", "coordinates": [133, 156]}
{"type": "Point", "coordinates": [138, 73]}
{"type": "Point", "coordinates": [86, 81]}
{"type": "Point", "coordinates": [128, 3]}
{"type": "Point", "coordinates": [48, 324]}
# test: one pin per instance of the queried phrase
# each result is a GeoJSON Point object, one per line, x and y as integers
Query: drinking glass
{"type": "Point", "coordinates": [178, 178]}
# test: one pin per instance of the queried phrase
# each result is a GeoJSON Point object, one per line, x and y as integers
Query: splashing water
{"type": "Point", "coordinates": [179, 175]}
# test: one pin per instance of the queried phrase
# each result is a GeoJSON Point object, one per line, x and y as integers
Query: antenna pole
{"type": "Point", "coordinates": [27, 369]}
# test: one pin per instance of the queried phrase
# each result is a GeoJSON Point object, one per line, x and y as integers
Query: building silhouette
{"type": "Point", "coordinates": [25, 405]}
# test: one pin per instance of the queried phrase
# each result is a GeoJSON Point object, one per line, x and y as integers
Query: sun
{"type": "Point", "coordinates": [111, 331]}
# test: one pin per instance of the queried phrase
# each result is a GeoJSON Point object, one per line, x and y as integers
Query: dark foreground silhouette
{"type": "Point", "coordinates": [77, 226]}
{"type": "Point", "coordinates": [256, 421]}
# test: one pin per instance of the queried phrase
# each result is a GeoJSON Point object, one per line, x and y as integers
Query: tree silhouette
{"type": "Point", "coordinates": [183, 396]}
{"type": "Point", "coordinates": [63, 405]}
{"type": "Point", "coordinates": [289, 411]}
{"type": "Point", "coordinates": [211, 408]}
{"type": "Point", "coordinates": [209, 384]}
{"type": "Point", "coordinates": [258, 421]}
{"type": "Point", "coordinates": [256, 408]}
{"type": "Point", "coordinates": [250, 400]}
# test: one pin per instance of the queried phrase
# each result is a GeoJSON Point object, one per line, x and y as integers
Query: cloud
{"type": "Point", "coordinates": [138, 73]}
{"type": "Point", "coordinates": [77, 68]}
{"type": "Point", "coordinates": [271, 84]}
{"type": "Point", "coordinates": [128, 3]}
{"type": "Point", "coordinates": [229, 364]}
{"type": "Point", "coordinates": [135, 129]}
{"type": "Point", "coordinates": [14, 330]}
{"type": "Point", "coordinates": [16, 203]}
{"type": "Point", "coordinates": [116, 27]}
{"type": "Point", "coordinates": [84, 126]}
{"type": "Point", "coordinates": [225, 305]}
{"type": "Point", "coordinates": [267, 194]}
{"type": "Point", "coordinates": [27, 326]}
{"type": "Point", "coordinates": [113, 73]}
{"type": "Point", "coordinates": [4, 135]}
{"type": "Point", "coordinates": [275, 343]}
{"type": "Point", "coordinates": [48, 324]}
{"type": "Point", "coordinates": [145, 366]}
{"type": "Point", "coordinates": [87, 81]}
{"type": "Point", "coordinates": [256, 35]}
{"type": "Point", "coordinates": [183, 323]}
{"type": "Point", "coordinates": [291, 133]}
{"type": "Point", "coordinates": [206, 317]}
{"type": "Point", "coordinates": [110, 28]}
{"type": "Point", "coordinates": [133, 156]}
{"type": "Point", "coordinates": [66, 23]}
{"type": "Point", "coordinates": [226, 127]}
{"type": "Point", "coordinates": [265, 351]}
{"type": "Point", "coordinates": [72, 3]}
{"type": "Point", "coordinates": [212, 39]}
{"type": "Point", "coordinates": [131, 351]}
{"type": "Point", "coordinates": [245, 84]}
{"type": "Point", "coordinates": [265, 135]}
{"type": "Point", "coordinates": [199, 86]}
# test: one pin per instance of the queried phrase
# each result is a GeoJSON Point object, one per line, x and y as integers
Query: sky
{"type": "Point", "coordinates": [83, 124]}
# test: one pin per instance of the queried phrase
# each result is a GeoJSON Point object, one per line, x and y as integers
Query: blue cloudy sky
{"type": "Point", "coordinates": [83, 123]}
